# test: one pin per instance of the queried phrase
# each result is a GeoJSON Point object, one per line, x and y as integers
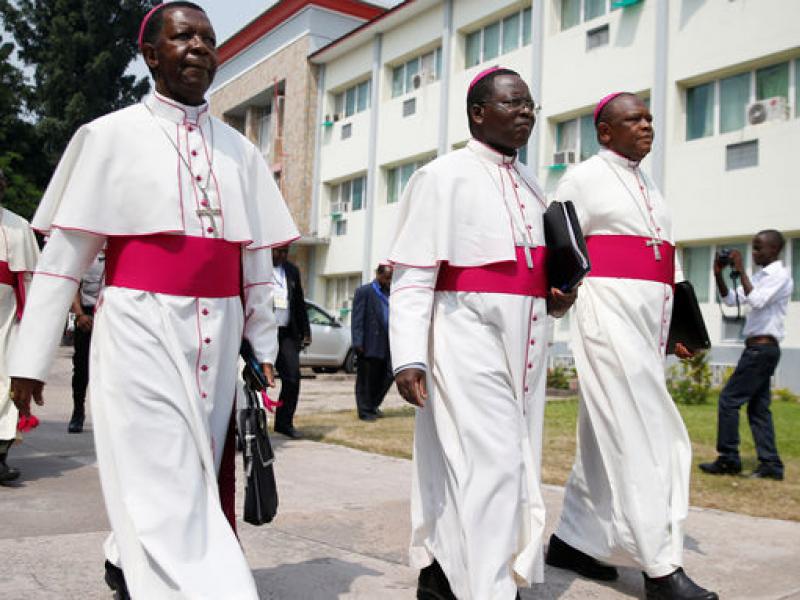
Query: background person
{"type": "Point", "coordinates": [767, 294]}
{"type": "Point", "coordinates": [18, 256]}
{"type": "Point", "coordinates": [188, 212]}
{"type": "Point", "coordinates": [83, 308]}
{"type": "Point", "coordinates": [294, 334]}
{"type": "Point", "coordinates": [369, 326]}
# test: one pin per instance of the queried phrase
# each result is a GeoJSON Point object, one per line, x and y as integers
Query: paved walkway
{"type": "Point", "coordinates": [342, 528]}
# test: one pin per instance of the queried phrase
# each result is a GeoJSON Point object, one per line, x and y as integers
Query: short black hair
{"type": "Point", "coordinates": [156, 22]}
{"type": "Point", "coordinates": [382, 269]}
{"type": "Point", "coordinates": [602, 116]}
{"type": "Point", "coordinates": [774, 237]}
{"type": "Point", "coordinates": [483, 90]}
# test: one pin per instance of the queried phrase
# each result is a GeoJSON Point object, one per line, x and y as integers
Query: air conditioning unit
{"type": "Point", "coordinates": [416, 81]}
{"type": "Point", "coordinates": [769, 109]}
{"type": "Point", "coordinates": [339, 208]}
{"type": "Point", "coordinates": [565, 157]}
{"type": "Point", "coordinates": [336, 117]}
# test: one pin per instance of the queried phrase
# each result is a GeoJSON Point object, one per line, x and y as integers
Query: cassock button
{"type": "Point", "coordinates": [530, 365]}
{"type": "Point", "coordinates": [210, 229]}
{"type": "Point", "coordinates": [204, 395]}
{"type": "Point", "coordinates": [199, 178]}
{"type": "Point", "coordinates": [530, 227]}
{"type": "Point", "coordinates": [526, 389]}
{"type": "Point", "coordinates": [522, 206]}
{"type": "Point", "coordinates": [533, 342]}
{"type": "Point", "coordinates": [207, 340]}
{"type": "Point", "coordinates": [205, 312]}
{"type": "Point", "coordinates": [194, 152]}
{"type": "Point", "coordinates": [535, 318]}
{"type": "Point", "coordinates": [190, 128]}
{"type": "Point", "coordinates": [204, 203]}
{"type": "Point", "coordinates": [205, 367]}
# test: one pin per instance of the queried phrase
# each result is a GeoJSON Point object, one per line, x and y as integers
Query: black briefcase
{"type": "Point", "coordinates": [687, 325]}
{"type": "Point", "coordinates": [567, 258]}
{"type": "Point", "coordinates": [261, 491]}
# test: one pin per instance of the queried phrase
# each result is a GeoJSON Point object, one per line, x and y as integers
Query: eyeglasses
{"type": "Point", "coordinates": [516, 105]}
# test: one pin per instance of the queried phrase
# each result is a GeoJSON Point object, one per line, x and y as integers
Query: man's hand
{"type": "Point", "coordinates": [737, 261]}
{"type": "Point", "coordinates": [412, 387]}
{"type": "Point", "coordinates": [84, 323]}
{"type": "Point", "coordinates": [560, 302]}
{"type": "Point", "coordinates": [22, 390]}
{"type": "Point", "coordinates": [682, 352]}
{"type": "Point", "coordinates": [269, 373]}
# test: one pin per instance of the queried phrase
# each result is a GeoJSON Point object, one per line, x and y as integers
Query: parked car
{"type": "Point", "coordinates": [330, 348]}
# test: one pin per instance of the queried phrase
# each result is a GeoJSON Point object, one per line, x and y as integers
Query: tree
{"type": "Point", "coordinates": [80, 50]}
{"type": "Point", "coordinates": [20, 154]}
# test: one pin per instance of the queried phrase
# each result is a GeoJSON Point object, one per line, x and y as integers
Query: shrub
{"type": "Point", "coordinates": [784, 395]}
{"type": "Point", "coordinates": [558, 378]}
{"type": "Point", "coordinates": [689, 382]}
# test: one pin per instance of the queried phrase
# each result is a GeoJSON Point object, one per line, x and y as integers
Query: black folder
{"type": "Point", "coordinates": [687, 324]}
{"type": "Point", "coordinates": [567, 258]}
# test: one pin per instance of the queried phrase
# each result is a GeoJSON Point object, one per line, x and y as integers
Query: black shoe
{"type": "Point", "coordinates": [675, 586]}
{"type": "Point", "coordinates": [8, 473]}
{"type": "Point", "coordinates": [76, 422]}
{"type": "Point", "coordinates": [379, 413]}
{"type": "Point", "coordinates": [115, 579]}
{"type": "Point", "coordinates": [563, 556]}
{"type": "Point", "coordinates": [433, 585]}
{"type": "Point", "coordinates": [289, 432]}
{"type": "Point", "coordinates": [368, 418]}
{"type": "Point", "coordinates": [721, 467]}
{"type": "Point", "coordinates": [765, 472]}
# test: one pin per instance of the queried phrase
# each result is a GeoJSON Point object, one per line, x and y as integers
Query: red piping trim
{"type": "Point", "coordinates": [59, 276]}
{"type": "Point", "coordinates": [199, 348]}
{"type": "Point", "coordinates": [275, 244]}
{"type": "Point", "coordinates": [249, 285]}
{"type": "Point", "coordinates": [280, 12]}
{"type": "Point", "coordinates": [411, 287]}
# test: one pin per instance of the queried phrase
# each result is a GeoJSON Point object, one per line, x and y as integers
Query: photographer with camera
{"type": "Point", "coordinates": [767, 293]}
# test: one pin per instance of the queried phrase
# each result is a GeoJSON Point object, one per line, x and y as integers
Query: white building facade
{"type": "Point", "coordinates": [722, 80]}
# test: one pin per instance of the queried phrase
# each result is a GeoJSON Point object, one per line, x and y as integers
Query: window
{"type": "Point", "coordinates": [700, 111]}
{"type": "Point", "coordinates": [522, 155]}
{"type": "Point", "coordinates": [796, 268]}
{"type": "Point", "coordinates": [697, 269]}
{"type": "Point", "coordinates": [348, 195]}
{"type": "Point", "coordinates": [317, 317]}
{"type": "Point", "coordinates": [397, 178]}
{"type": "Point", "coordinates": [500, 37]}
{"type": "Point", "coordinates": [734, 94]}
{"type": "Point", "coordinates": [354, 99]}
{"type": "Point", "coordinates": [741, 155]}
{"type": "Point", "coordinates": [339, 292]}
{"type": "Point", "coordinates": [426, 66]}
{"type": "Point", "coordinates": [579, 136]}
{"type": "Point", "coordinates": [574, 12]}
{"type": "Point", "coordinates": [773, 81]}
{"type": "Point", "coordinates": [340, 228]}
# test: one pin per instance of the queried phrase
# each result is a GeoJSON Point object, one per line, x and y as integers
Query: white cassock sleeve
{"type": "Point", "coordinates": [568, 189]}
{"type": "Point", "coordinates": [410, 311]}
{"type": "Point", "coordinates": [65, 258]}
{"type": "Point", "coordinates": [260, 327]}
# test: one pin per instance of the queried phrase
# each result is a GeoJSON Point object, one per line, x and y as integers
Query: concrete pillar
{"type": "Point", "coordinates": [658, 98]}
{"type": "Point", "coordinates": [372, 164]}
{"type": "Point", "coordinates": [537, 62]}
{"type": "Point", "coordinates": [444, 86]}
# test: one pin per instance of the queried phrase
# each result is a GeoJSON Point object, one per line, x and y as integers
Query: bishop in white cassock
{"type": "Point", "coordinates": [627, 496]}
{"type": "Point", "coordinates": [189, 211]}
{"type": "Point", "coordinates": [18, 256]}
{"type": "Point", "coordinates": [468, 334]}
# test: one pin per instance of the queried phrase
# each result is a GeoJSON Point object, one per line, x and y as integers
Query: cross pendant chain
{"type": "Point", "coordinates": [655, 243]}
{"type": "Point", "coordinates": [527, 249]}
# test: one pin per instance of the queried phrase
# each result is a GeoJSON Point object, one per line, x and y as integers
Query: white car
{"type": "Point", "coordinates": [330, 348]}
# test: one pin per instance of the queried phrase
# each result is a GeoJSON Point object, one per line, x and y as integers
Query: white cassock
{"type": "Point", "coordinates": [476, 504]}
{"type": "Point", "coordinates": [18, 256]}
{"type": "Point", "coordinates": [163, 365]}
{"type": "Point", "coordinates": [627, 496]}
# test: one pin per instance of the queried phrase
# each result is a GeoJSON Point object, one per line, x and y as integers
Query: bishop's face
{"type": "Point", "coordinates": [506, 120]}
{"type": "Point", "coordinates": [184, 59]}
{"type": "Point", "coordinates": [628, 129]}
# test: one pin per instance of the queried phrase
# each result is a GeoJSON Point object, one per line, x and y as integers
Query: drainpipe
{"type": "Point", "coordinates": [537, 61]}
{"type": "Point", "coordinates": [372, 167]}
{"type": "Point", "coordinates": [659, 94]}
{"type": "Point", "coordinates": [444, 79]}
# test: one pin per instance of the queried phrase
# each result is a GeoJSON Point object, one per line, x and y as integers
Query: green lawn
{"type": "Point", "coordinates": [392, 436]}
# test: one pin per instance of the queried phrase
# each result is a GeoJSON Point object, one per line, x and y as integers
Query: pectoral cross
{"type": "Point", "coordinates": [210, 213]}
{"type": "Point", "coordinates": [655, 244]}
{"type": "Point", "coordinates": [526, 246]}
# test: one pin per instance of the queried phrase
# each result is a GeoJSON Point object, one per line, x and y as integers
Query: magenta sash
{"type": "Point", "coordinates": [498, 278]}
{"type": "Point", "coordinates": [629, 257]}
{"type": "Point", "coordinates": [177, 265]}
{"type": "Point", "coordinates": [17, 281]}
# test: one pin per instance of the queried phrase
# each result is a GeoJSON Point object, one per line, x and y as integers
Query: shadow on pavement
{"type": "Point", "coordinates": [310, 579]}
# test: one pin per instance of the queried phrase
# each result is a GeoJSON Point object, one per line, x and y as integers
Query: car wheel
{"type": "Point", "coordinates": [349, 364]}
{"type": "Point", "coordinates": [317, 370]}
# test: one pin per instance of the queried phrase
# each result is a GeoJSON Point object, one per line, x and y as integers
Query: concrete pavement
{"type": "Point", "coordinates": [342, 527]}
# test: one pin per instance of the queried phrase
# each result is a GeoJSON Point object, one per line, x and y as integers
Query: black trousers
{"type": "Point", "coordinates": [288, 366]}
{"type": "Point", "coordinates": [80, 363]}
{"type": "Point", "coordinates": [749, 385]}
{"type": "Point", "coordinates": [373, 379]}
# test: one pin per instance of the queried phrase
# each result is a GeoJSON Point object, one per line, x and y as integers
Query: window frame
{"type": "Point", "coordinates": [400, 72]}
{"type": "Point", "coordinates": [342, 98]}
{"type": "Point", "coordinates": [394, 179]}
{"type": "Point", "coordinates": [608, 8]}
{"type": "Point", "coordinates": [524, 13]}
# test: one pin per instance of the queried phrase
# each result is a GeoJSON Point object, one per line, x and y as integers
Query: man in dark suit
{"type": "Point", "coordinates": [369, 325]}
{"type": "Point", "coordinates": [294, 333]}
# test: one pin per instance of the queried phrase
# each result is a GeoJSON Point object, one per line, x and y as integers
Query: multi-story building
{"type": "Point", "coordinates": [266, 88]}
{"type": "Point", "coordinates": [722, 80]}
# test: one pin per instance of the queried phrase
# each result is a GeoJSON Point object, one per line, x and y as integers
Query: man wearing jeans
{"type": "Point", "coordinates": [767, 293]}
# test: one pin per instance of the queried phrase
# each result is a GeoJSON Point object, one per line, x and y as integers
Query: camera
{"type": "Point", "coordinates": [724, 257]}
